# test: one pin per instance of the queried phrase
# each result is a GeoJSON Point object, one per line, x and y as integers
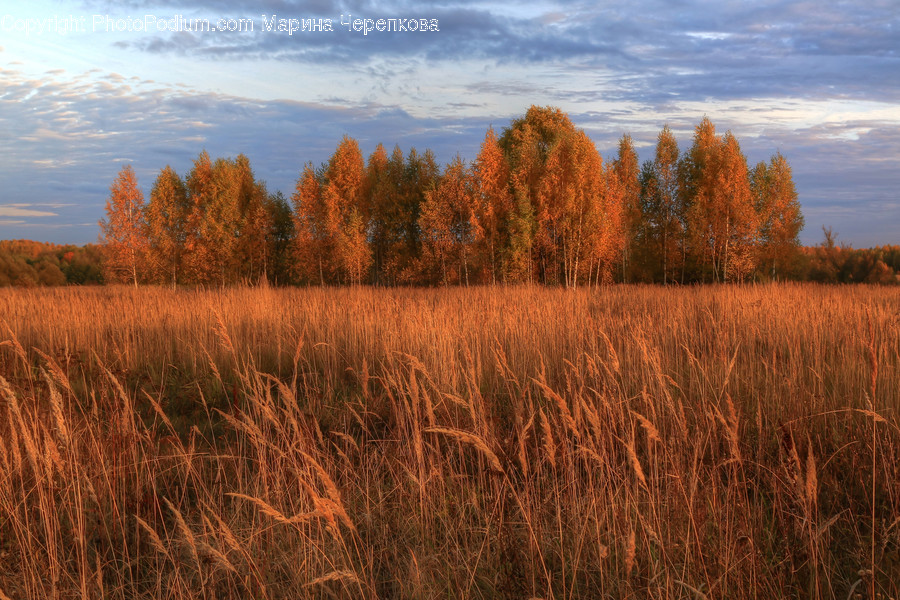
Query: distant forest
{"type": "Point", "coordinates": [24, 263]}
{"type": "Point", "coordinates": [537, 205]}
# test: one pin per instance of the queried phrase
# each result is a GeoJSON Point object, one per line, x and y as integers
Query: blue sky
{"type": "Point", "coordinates": [817, 81]}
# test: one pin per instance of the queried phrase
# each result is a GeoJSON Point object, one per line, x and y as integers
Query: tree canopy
{"type": "Point", "coordinates": [538, 204]}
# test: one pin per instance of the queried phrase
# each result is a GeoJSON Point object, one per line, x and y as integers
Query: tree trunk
{"type": "Point", "coordinates": [493, 263]}
{"type": "Point", "coordinates": [466, 266]}
{"type": "Point", "coordinates": [665, 255]}
{"type": "Point", "coordinates": [134, 267]}
{"type": "Point", "coordinates": [727, 240]}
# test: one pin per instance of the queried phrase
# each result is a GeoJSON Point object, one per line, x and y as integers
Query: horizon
{"type": "Point", "coordinates": [816, 83]}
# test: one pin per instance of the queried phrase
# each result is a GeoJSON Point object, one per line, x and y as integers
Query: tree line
{"type": "Point", "coordinates": [24, 263]}
{"type": "Point", "coordinates": [537, 204]}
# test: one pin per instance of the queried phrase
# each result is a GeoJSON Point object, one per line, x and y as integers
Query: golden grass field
{"type": "Point", "coordinates": [623, 442]}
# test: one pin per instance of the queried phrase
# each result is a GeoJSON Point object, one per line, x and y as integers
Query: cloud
{"type": "Point", "coordinates": [464, 33]}
{"type": "Point", "coordinates": [814, 80]}
{"type": "Point", "coordinates": [95, 127]}
{"type": "Point", "coordinates": [66, 160]}
{"type": "Point", "coordinates": [649, 52]}
{"type": "Point", "coordinates": [7, 210]}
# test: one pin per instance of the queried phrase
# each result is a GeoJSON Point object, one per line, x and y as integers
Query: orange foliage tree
{"type": "Point", "coordinates": [661, 229]}
{"type": "Point", "coordinates": [214, 225]}
{"type": "Point", "coordinates": [310, 233]}
{"type": "Point", "coordinates": [344, 203]}
{"type": "Point", "coordinates": [536, 204]}
{"type": "Point", "coordinates": [736, 222]}
{"type": "Point", "coordinates": [558, 171]}
{"type": "Point", "coordinates": [254, 222]}
{"type": "Point", "coordinates": [123, 233]}
{"type": "Point", "coordinates": [627, 172]}
{"type": "Point", "coordinates": [720, 219]}
{"type": "Point", "coordinates": [493, 204]}
{"type": "Point", "coordinates": [449, 227]}
{"type": "Point", "coordinates": [382, 173]}
{"type": "Point", "coordinates": [331, 219]}
{"type": "Point", "coordinates": [780, 220]}
{"type": "Point", "coordinates": [166, 215]}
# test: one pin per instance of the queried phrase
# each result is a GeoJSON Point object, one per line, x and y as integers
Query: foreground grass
{"type": "Point", "coordinates": [720, 442]}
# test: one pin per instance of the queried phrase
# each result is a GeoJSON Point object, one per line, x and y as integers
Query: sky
{"type": "Point", "coordinates": [87, 87]}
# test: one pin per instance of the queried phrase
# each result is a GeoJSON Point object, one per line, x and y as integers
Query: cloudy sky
{"type": "Point", "coordinates": [86, 87]}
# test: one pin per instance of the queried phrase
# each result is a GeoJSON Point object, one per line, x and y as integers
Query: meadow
{"type": "Point", "coordinates": [521, 442]}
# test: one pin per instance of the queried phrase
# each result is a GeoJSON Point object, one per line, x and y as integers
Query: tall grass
{"type": "Point", "coordinates": [715, 442]}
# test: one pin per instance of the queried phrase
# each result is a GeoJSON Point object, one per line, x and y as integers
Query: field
{"type": "Point", "coordinates": [622, 442]}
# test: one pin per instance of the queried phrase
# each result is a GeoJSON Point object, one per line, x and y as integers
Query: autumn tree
{"type": "Point", "coordinates": [332, 219]}
{"type": "Point", "coordinates": [493, 204]}
{"type": "Point", "coordinates": [310, 231]}
{"type": "Point", "coordinates": [778, 209]}
{"type": "Point", "coordinates": [254, 250]}
{"type": "Point", "coordinates": [279, 238]}
{"type": "Point", "coordinates": [166, 215]}
{"type": "Point", "coordinates": [627, 171]}
{"type": "Point", "coordinates": [556, 170]}
{"type": "Point", "coordinates": [518, 261]}
{"type": "Point", "coordinates": [123, 233]}
{"type": "Point", "coordinates": [214, 191]}
{"type": "Point", "coordinates": [221, 226]}
{"type": "Point", "coordinates": [382, 188]}
{"type": "Point", "coordinates": [344, 214]}
{"type": "Point", "coordinates": [409, 181]}
{"type": "Point", "coordinates": [353, 247]}
{"type": "Point", "coordinates": [736, 223]}
{"type": "Point", "coordinates": [527, 144]}
{"type": "Point", "coordinates": [698, 179]}
{"type": "Point", "coordinates": [571, 196]}
{"type": "Point", "coordinates": [199, 190]}
{"type": "Point", "coordinates": [662, 221]}
{"type": "Point", "coordinates": [648, 251]}
{"type": "Point", "coordinates": [253, 223]}
{"type": "Point", "coordinates": [448, 225]}
{"type": "Point", "coordinates": [720, 218]}
{"type": "Point", "coordinates": [606, 226]}
{"type": "Point", "coordinates": [829, 259]}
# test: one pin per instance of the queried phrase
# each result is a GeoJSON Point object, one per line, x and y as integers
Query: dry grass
{"type": "Point", "coordinates": [631, 442]}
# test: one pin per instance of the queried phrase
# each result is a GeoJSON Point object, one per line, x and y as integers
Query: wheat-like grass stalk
{"type": "Point", "coordinates": [472, 440]}
{"type": "Point", "coordinates": [635, 463]}
{"type": "Point", "coordinates": [561, 406]}
{"type": "Point", "coordinates": [13, 341]}
{"type": "Point", "coordinates": [56, 409]}
{"type": "Point", "coordinates": [56, 371]}
{"type": "Point", "coordinates": [263, 506]}
{"type": "Point", "coordinates": [31, 451]}
{"type": "Point", "coordinates": [155, 540]}
{"type": "Point", "coordinates": [217, 557]}
{"type": "Point", "coordinates": [349, 576]}
{"type": "Point", "coordinates": [331, 490]}
{"type": "Point", "coordinates": [630, 553]}
{"type": "Point", "coordinates": [549, 443]}
{"type": "Point", "coordinates": [157, 408]}
{"type": "Point", "coordinates": [222, 333]}
{"type": "Point", "coordinates": [812, 482]}
{"type": "Point", "coordinates": [190, 542]}
{"type": "Point", "coordinates": [523, 441]}
{"type": "Point", "coordinates": [652, 432]}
